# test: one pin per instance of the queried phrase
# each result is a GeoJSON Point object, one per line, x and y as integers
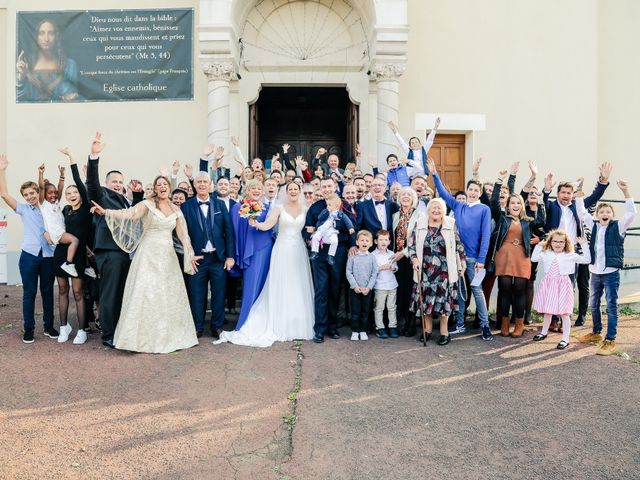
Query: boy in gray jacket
{"type": "Point", "coordinates": [362, 271]}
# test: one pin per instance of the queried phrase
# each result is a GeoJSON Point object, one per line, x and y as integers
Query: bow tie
{"type": "Point", "coordinates": [204, 203]}
{"type": "Point", "coordinates": [379, 202]}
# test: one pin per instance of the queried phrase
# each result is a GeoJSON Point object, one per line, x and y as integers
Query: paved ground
{"type": "Point", "coordinates": [379, 410]}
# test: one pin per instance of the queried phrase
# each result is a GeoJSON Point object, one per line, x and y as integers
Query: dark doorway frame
{"type": "Point", "coordinates": [306, 118]}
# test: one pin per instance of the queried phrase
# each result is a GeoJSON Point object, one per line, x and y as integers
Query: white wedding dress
{"type": "Point", "coordinates": [155, 315]}
{"type": "Point", "coordinates": [284, 309]}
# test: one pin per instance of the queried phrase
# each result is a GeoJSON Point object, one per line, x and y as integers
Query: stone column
{"type": "Point", "coordinates": [386, 76]}
{"type": "Point", "coordinates": [219, 75]}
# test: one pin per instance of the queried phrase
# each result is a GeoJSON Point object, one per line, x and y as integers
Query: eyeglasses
{"type": "Point", "coordinates": [558, 242]}
{"type": "Point", "coordinates": [308, 194]}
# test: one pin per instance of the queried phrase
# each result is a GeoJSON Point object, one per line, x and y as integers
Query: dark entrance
{"type": "Point", "coordinates": [306, 118]}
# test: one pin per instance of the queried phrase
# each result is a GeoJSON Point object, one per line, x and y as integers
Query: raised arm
{"type": "Point", "coordinates": [428, 143]}
{"type": "Point", "coordinates": [41, 184]}
{"type": "Point", "coordinates": [442, 190]}
{"type": "Point", "coordinates": [511, 182]}
{"type": "Point", "coordinates": [532, 178]}
{"type": "Point", "coordinates": [4, 192]}
{"type": "Point", "coordinates": [601, 186]}
{"type": "Point", "coordinates": [475, 174]}
{"type": "Point", "coordinates": [630, 208]}
{"type": "Point", "coordinates": [238, 153]}
{"type": "Point", "coordinates": [399, 138]}
{"type": "Point", "coordinates": [496, 211]}
{"type": "Point", "coordinates": [93, 175]}
{"type": "Point", "coordinates": [75, 173]}
{"type": "Point", "coordinates": [61, 169]}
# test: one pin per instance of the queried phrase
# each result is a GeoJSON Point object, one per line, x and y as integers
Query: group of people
{"type": "Point", "coordinates": [312, 244]}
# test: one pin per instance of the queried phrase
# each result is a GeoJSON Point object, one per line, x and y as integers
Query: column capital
{"type": "Point", "coordinates": [224, 71]}
{"type": "Point", "coordinates": [386, 71]}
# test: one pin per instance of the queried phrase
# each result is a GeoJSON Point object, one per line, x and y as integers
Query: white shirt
{"type": "Point", "coordinates": [568, 222]}
{"type": "Point", "coordinates": [53, 219]}
{"type": "Point", "coordinates": [385, 280]}
{"type": "Point", "coordinates": [599, 265]}
{"type": "Point", "coordinates": [381, 212]}
{"type": "Point", "coordinates": [205, 210]}
{"type": "Point", "coordinates": [225, 200]}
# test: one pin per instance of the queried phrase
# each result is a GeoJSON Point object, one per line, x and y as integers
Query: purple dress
{"type": "Point", "coordinates": [253, 252]}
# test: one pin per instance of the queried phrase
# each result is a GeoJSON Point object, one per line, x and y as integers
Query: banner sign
{"type": "Point", "coordinates": [105, 55]}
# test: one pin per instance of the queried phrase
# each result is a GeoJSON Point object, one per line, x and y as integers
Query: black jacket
{"type": "Point", "coordinates": [107, 199]}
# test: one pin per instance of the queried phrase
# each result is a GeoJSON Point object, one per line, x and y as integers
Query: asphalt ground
{"type": "Point", "coordinates": [381, 409]}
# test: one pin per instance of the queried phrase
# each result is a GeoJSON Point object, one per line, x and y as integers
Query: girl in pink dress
{"type": "Point", "coordinates": [554, 295]}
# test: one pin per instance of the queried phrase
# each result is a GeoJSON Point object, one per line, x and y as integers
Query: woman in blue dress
{"type": "Point", "coordinates": [253, 250]}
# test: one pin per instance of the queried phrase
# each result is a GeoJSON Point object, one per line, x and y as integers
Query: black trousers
{"type": "Point", "coordinates": [326, 286]}
{"type": "Point", "coordinates": [582, 279]}
{"type": "Point", "coordinates": [113, 266]}
{"type": "Point", "coordinates": [360, 305]}
{"type": "Point", "coordinates": [404, 276]}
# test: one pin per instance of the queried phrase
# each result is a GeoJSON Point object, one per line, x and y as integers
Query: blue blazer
{"type": "Point", "coordinates": [224, 240]}
{"type": "Point", "coordinates": [368, 218]}
{"type": "Point", "coordinates": [554, 212]}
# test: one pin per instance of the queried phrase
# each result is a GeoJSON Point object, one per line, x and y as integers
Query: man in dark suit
{"type": "Point", "coordinates": [562, 214]}
{"type": "Point", "coordinates": [213, 241]}
{"type": "Point", "coordinates": [231, 292]}
{"type": "Point", "coordinates": [113, 263]}
{"type": "Point", "coordinates": [376, 214]}
{"type": "Point", "coordinates": [326, 276]}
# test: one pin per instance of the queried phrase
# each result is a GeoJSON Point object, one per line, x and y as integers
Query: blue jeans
{"type": "Point", "coordinates": [32, 269]}
{"type": "Point", "coordinates": [481, 306]}
{"type": "Point", "coordinates": [609, 282]}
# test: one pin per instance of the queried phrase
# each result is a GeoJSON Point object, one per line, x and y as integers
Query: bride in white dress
{"type": "Point", "coordinates": [155, 316]}
{"type": "Point", "coordinates": [284, 309]}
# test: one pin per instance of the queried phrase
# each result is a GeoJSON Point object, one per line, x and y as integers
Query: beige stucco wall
{"type": "Point", "coordinates": [530, 67]}
{"type": "Point", "coordinates": [619, 87]}
{"type": "Point", "coordinates": [3, 76]}
{"type": "Point", "coordinates": [140, 136]}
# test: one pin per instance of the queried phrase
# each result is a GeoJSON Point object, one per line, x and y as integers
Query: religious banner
{"type": "Point", "coordinates": [105, 55]}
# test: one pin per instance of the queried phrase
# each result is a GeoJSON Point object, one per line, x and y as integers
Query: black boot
{"type": "Point", "coordinates": [410, 327]}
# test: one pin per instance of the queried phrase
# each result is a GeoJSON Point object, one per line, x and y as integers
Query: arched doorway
{"type": "Point", "coordinates": [357, 45]}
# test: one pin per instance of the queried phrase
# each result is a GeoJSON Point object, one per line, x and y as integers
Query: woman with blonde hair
{"type": "Point", "coordinates": [253, 248]}
{"type": "Point", "coordinates": [510, 258]}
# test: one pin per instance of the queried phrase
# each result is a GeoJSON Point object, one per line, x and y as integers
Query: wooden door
{"type": "Point", "coordinates": [448, 153]}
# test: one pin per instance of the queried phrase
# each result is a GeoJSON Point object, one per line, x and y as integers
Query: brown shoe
{"type": "Point", "coordinates": [519, 329]}
{"type": "Point", "coordinates": [199, 334]}
{"type": "Point", "coordinates": [505, 323]}
{"type": "Point", "coordinates": [608, 347]}
{"type": "Point", "coordinates": [590, 338]}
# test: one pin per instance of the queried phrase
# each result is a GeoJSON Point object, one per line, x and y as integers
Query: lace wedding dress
{"type": "Point", "coordinates": [284, 309]}
{"type": "Point", "coordinates": [155, 316]}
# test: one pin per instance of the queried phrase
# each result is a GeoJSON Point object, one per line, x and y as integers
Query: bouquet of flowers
{"type": "Point", "coordinates": [250, 208]}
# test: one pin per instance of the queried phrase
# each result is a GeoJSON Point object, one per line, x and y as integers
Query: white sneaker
{"type": "Point", "coordinates": [65, 331]}
{"type": "Point", "coordinates": [364, 336]}
{"type": "Point", "coordinates": [81, 337]}
{"type": "Point", "coordinates": [90, 272]}
{"type": "Point", "coordinates": [70, 268]}
{"type": "Point", "coordinates": [355, 336]}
